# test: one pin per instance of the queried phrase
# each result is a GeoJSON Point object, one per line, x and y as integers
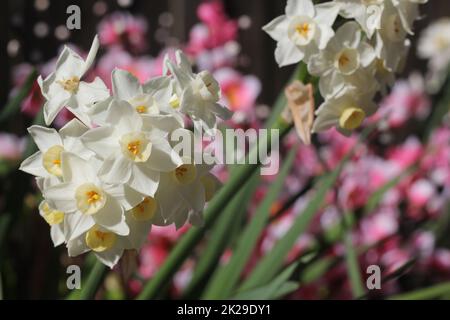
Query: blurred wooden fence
{"type": "Point", "coordinates": [18, 18]}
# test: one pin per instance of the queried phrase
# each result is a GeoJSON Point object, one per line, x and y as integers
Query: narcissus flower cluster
{"type": "Point", "coordinates": [112, 172]}
{"type": "Point", "coordinates": [354, 62]}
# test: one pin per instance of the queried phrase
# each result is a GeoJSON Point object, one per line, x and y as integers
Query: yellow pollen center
{"type": "Point", "coordinates": [92, 196]}
{"type": "Point", "coordinates": [352, 118]}
{"type": "Point", "coordinates": [145, 210]}
{"type": "Point", "coordinates": [100, 241]}
{"type": "Point", "coordinates": [303, 29]}
{"type": "Point", "coordinates": [343, 60]}
{"type": "Point", "coordinates": [141, 109]}
{"type": "Point", "coordinates": [133, 147]}
{"type": "Point", "coordinates": [70, 85]}
{"type": "Point", "coordinates": [51, 160]}
{"type": "Point", "coordinates": [185, 173]}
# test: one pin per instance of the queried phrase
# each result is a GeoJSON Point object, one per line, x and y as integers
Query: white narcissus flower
{"type": "Point", "coordinates": [64, 87]}
{"type": "Point", "coordinates": [198, 94]}
{"type": "Point", "coordinates": [46, 162]}
{"type": "Point", "coordinates": [109, 246]}
{"type": "Point", "coordinates": [131, 153]}
{"type": "Point", "coordinates": [302, 30]}
{"type": "Point", "coordinates": [345, 61]}
{"type": "Point", "coordinates": [434, 44]}
{"type": "Point", "coordinates": [150, 100]}
{"type": "Point", "coordinates": [346, 112]}
{"type": "Point", "coordinates": [366, 12]}
{"type": "Point", "coordinates": [55, 219]}
{"type": "Point", "coordinates": [184, 192]}
{"type": "Point", "coordinates": [87, 201]}
{"type": "Point", "coordinates": [391, 44]}
{"type": "Point", "coordinates": [408, 11]}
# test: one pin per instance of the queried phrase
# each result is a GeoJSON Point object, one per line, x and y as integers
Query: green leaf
{"type": "Point", "coordinates": [272, 261]}
{"type": "Point", "coordinates": [377, 196]}
{"type": "Point", "coordinates": [184, 247]}
{"type": "Point", "coordinates": [316, 269]}
{"type": "Point", "coordinates": [279, 287]}
{"type": "Point", "coordinates": [90, 286]}
{"type": "Point", "coordinates": [220, 236]}
{"type": "Point", "coordinates": [351, 259]}
{"type": "Point", "coordinates": [433, 292]}
{"type": "Point", "coordinates": [14, 104]}
{"type": "Point", "coordinates": [225, 278]}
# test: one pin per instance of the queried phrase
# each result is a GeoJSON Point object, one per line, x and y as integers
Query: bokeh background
{"type": "Point", "coordinates": [32, 33]}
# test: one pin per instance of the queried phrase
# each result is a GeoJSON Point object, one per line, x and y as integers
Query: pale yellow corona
{"type": "Point", "coordinates": [185, 173]}
{"type": "Point", "coordinates": [352, 118]}
{"type": "Point", "coordinates": [136, 146]}
{"type": "Point", "coordinates": [51, 160]}
{"type": "Point", "coordinates": [70, 85]}
{"type": "Point", "coordinates": [51, 216]}
{"type": "Point", "coordinates": [90, 198]}
{"type": "Point", "coordinates": [99, 240]}
{"type": "Point", "coordinates": [145, 210]}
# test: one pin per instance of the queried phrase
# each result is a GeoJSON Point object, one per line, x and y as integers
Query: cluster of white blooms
{"type": "Point", "coordinates": [113, 172]}
{"type": "Point", "coordinates": [434, 45]}
{"type": "Point", "coordinates": [355, 62]}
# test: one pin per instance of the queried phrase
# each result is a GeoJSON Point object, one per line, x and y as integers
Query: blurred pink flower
{"type": "Point", "coordinates": [239, 93]}
{"type": "Point", "coordinates": [379, 226]}
{"type": "Point", "coordinates": [421, 192]}
{"type": "Point", "coordinates": [215, 30]}
{"type": "Point", "coordinates": [406, 154]}
{"type": "Point", "coordinates": [123, 30]}
{"type": "Point", "coordinates": [408, 100]}
{"type": "Point", "coordinates": [142, 68]}
{"type": "Point", "coordinates": [11, 147]}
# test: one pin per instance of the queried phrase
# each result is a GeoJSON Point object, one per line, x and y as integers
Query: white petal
{"type": "Point", "coordinates": [277, 28]}
{"type": "Point", "coordinates": [57, 235]}
{"type": "Point", "coordinates": [326, 33]}
{"type": "Point", "coordinates": [326, 13]}
{"type": "Point", "coordinates": [76, 169]}
{"type": "Point", "coordinates": [194, 195]}
{"type": "Point", "coordinates": [166, 123]}
{"type": "Point", "coordinates": [349, 35]}
{"type": "Point", "coordinates": [220, 111]}
{"type": "Point", "coordinates": [366, 53]}
{"type": "Point", "coordinates": [62, 196]}
{"type": "Point", "coordinates": [115, 169]}
{"type": "Point", "coordinates": [73, 129]}
{"type": "Point", "coordinates": [144, 180]}
{"type": "Point", "coordinates": [287, 53]}
{"type": "Point", "coordinates": [33, 165]}
{"type": "Point", "coordinates": [110, 257]}
{"type": "Point", "coordinates": [183, 79]}
{"type": "Point", "coordinates": [123, 117]}
{"type": "Point", "coordinates": [162, 157]}
{"type": "Point", "coordinates": [53, 106]}
{"type": "Point", "coordinates": [300, 8]}
{"type": "Point", "coordinates": [158, 85]}
{"type": "Point", "coordinates": [125, 85]}
{"type": "Point", "coordinates": [91, 55]}
{"type": "Point", "coordinates": [77, 246]}
{"type": "Point", "coordinates": [76, 224]}
{"type": "Point", "coordinates": [99, 141]}
{"type": "Point", "coordinates": [69, 64]}
{"type": "Point", "coordinates": [112, 217]}
{"type": "Point", "coordinates": [127, 197]}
